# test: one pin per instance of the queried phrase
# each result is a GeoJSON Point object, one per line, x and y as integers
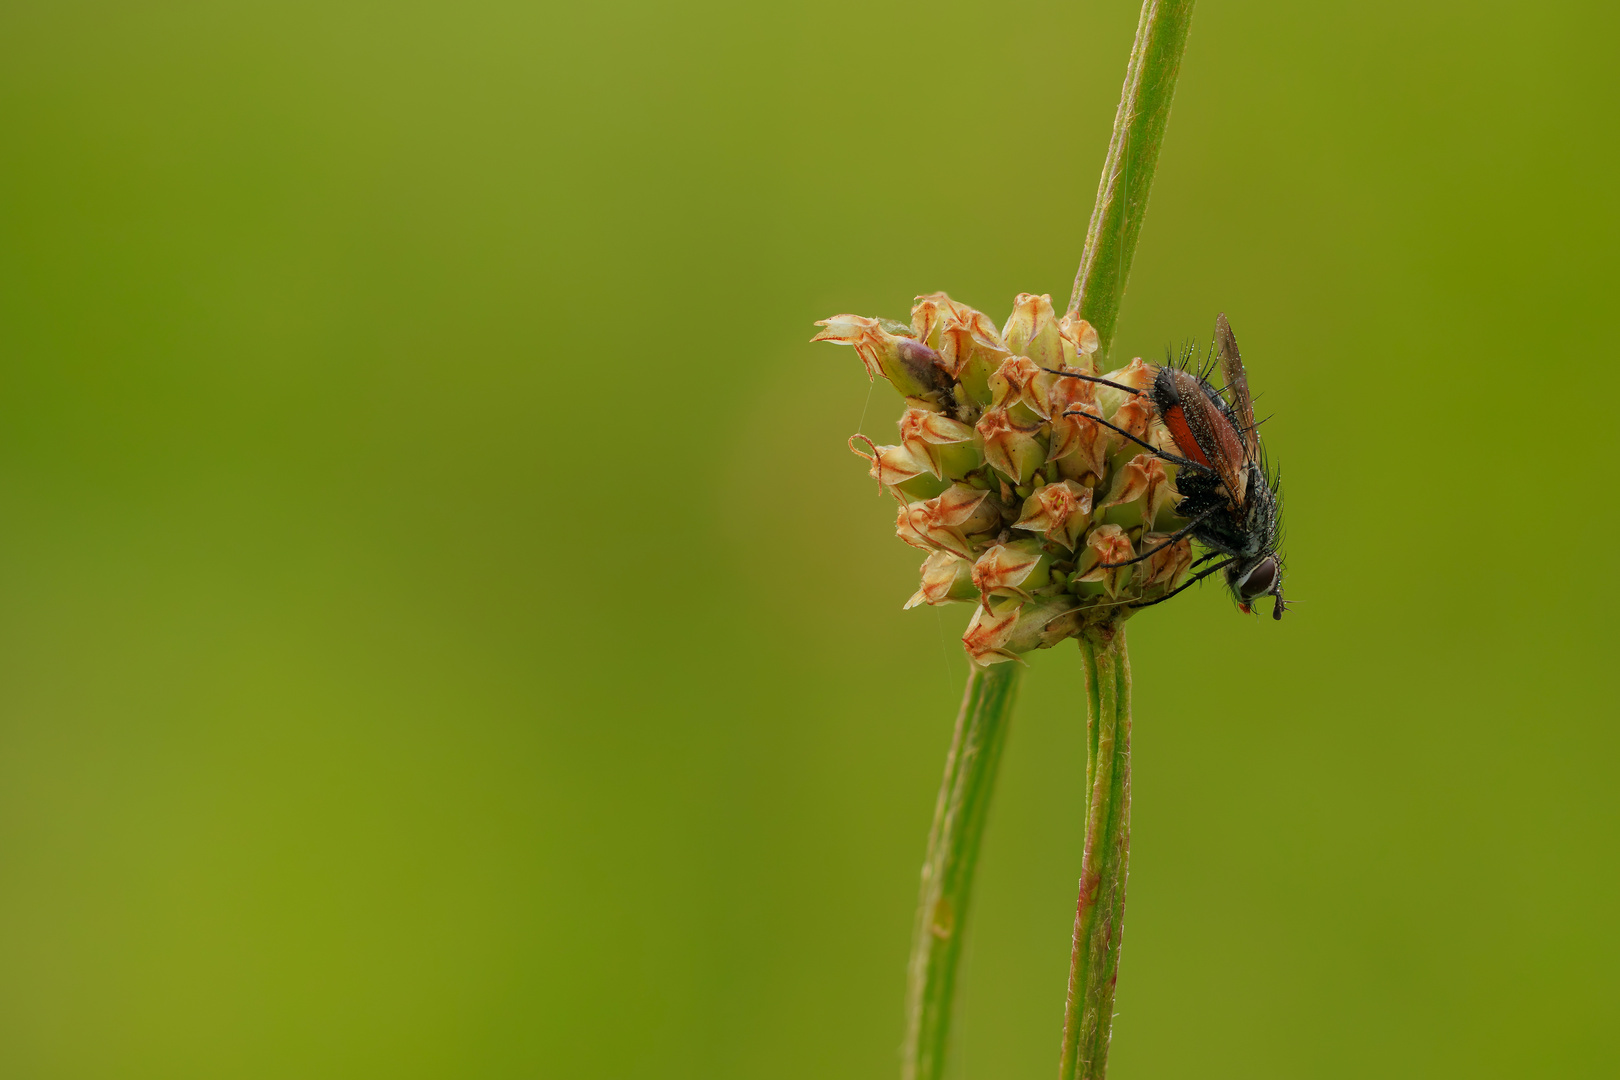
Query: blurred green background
{"type": "Point", "coordinates": [443, 634]}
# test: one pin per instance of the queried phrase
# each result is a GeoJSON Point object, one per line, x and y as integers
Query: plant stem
{"type": "Point", "coordinates": [970, 769]}
{"type": "Point", "coordinates": [947, 873]}
{"type": "Point", "coordinates": [1133, 157]}
{"type": "Point", "coordinates": [1099, 915]}
{"type": "Point", "coordinates": [1105, 265]}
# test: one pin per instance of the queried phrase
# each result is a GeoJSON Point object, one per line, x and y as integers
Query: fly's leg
{"type": "Point", "coordinates": [1096, 379]}
{"type": "Point", "coordinates": [1160, 454]}
{"type": "Point", "coordinates": [1177, 535]}
{"type": "Point", "coordinates": [1189, 583]}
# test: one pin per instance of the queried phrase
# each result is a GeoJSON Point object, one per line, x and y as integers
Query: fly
{"type": "Point", "coordinates": [1230, 502]}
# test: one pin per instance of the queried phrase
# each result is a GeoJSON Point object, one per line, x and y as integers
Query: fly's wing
{"type": "Point", "coordinates": [1204, 434]}
{"type": "Point", "coordinates": [1237, 382]}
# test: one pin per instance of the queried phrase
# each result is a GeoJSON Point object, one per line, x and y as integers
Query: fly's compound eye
{"type": "Point", "coordinates": [1260, 579]}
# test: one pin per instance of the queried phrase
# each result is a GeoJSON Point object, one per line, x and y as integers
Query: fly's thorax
{"type": "Point", "coordinates": [1166, 392]}
{"type": "Point", "coordinates": [1167, 386]}
{"type": "Point", "coordinates": [1261, 519]}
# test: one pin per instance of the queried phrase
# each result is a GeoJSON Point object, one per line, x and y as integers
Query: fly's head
{"type": "Point", "coordinates": [1250, 579]}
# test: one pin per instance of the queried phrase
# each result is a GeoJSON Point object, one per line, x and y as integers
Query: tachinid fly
{"type": "Point", "coordinates": [1229, 501]}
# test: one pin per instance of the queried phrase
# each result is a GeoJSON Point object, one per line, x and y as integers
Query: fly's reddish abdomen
{"type": "Point", "coordinates": [1175, 419]}
{"type": "Point", "coordinates": [1202, 430]}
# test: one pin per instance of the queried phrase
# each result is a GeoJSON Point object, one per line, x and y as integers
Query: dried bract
{"type": "Point", "coordinates": [1012, 570]}
{"type": "Point", "coordinates": [945, 577]}
{"type": "Point", "coordinates": [928, 435]}
{"type": "Point", "coordinates": [1015, 449]}
{"type": "Point", "coordinates": [1059, 512]}
{"type": "Point", "coordinates": [910, 365]}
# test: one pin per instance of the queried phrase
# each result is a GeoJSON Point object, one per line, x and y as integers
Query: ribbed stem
{"type": "Point", "coordinates": [1105, 265]}
{"type": "Point", "coordinates": [970, 769]}
{"type": "Point", "coordinates": [1133, 158]}
{"type": "Point", "coordinates": [947, 873]}
{"type": "Point", "coordinates": [1099, 915]}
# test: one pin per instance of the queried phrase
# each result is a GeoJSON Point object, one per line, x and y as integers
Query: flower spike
{"type": "Point", "coordinates": [1011, 475]}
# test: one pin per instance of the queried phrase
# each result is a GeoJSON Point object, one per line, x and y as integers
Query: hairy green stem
{"type": "Point", "coordinates": [1099, 915]}
{"type": "Point", "coordinates": [1133, 157]}
{"type": "Point", "coordinates": [947, 873]}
